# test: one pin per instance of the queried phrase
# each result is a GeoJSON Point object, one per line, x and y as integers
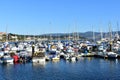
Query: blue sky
{"type": "Point", "coordinates": [62, 16]}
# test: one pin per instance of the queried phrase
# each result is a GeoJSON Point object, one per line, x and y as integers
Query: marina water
{"type": "Point", "coordinates": [84, 69]}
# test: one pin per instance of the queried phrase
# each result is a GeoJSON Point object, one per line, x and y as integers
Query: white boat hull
{"type": "Point", "coordinates": [8, 61]}
{"type": "Point", "coordinates": [38, 60]}
{"type": "Point", "coordinates": [112, 55]}
{"type": "Point", "coordinates": [55, 58]}
{"type": "Point", "coordinates": [73, 59]}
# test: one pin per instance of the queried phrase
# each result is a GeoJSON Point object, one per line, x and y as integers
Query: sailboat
{"type": "Point", "coordinates": [6, 58]}
{"type": "Point", "coordinates": [111, 54]}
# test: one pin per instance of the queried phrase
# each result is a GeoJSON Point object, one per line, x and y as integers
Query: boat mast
{"type": "Point", "coordinates": [110, 31]}
{"type": "Point", "coordinates": [117, 32]}
{"type": "Point", "coordinates": [101, 34]}
{"type": "Point", "coordinates": [24, 37]}
{"type": "Point", "coordinates": [69, 33]}
{"type": "Point", "coordinates": [73, 35]}
{"type": "Point", "coordinates": [93, 35]}
{"type": "Point", "coordinates": [58, 36]}
{"type": "Point", "coordinates": [78, 35]}
{"type": "Point", "coordinates": [51, 30]}
{"type": "Point", "coordinates": [6, 33]}
{"type": "Point", "coordinates": [75, 31]}
{"type": "Point", "coordinates": [118, 28]}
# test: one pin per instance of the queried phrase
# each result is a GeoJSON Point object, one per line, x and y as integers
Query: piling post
{"type": "Point", "coordinates": [33, 49]}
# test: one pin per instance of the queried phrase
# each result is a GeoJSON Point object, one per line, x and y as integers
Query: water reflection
{"type": "Point", "coordinates": [40, 64]}
{"type": "Point", "coordinates": [116, 60]}
{"type": "Point", "coordinates": [89, 58]}
{"type": "Point", "coordinates": [84, 68]}
{"type": "Point", "coordinates": [55, 61]}
{"type": "Point", "coordinates": [113, 61]}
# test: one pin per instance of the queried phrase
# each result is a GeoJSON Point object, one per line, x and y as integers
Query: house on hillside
{"type": "Point", "coordinates": [2, 35]}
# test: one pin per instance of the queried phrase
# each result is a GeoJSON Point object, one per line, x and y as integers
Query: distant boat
{"type": "Point", "coordinates": [55, 58]}
{"type": "Point", "coordinates": [73, 59]}
{"type": "Point", "coordinates": [7, 58]}
{"type": "Point", "coordinates": [101, 54]}
{"type": "Point", "coordinates": [112, 55]}
{"type": "Point", "coordinates": [38, 58]}
{"type": "Point", "coordinates": [67, 57]}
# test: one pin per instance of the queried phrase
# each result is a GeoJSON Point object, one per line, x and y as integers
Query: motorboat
{"type": "Point", "coordinates": [7, 58]}
{"type": "Point", "coordinates": [112, 55]}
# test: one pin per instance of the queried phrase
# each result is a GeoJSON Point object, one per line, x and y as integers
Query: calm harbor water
{"type": "Point", "coordinates": [84, 69]}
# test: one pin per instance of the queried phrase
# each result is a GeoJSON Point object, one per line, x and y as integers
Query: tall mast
{"type": "Point", "coordinates": [118, 28]}
{"type": "Point", "coordinates": [6, 33]}
{"type": "Point", "coordinates": [93, 34]}
{"type": "Point", "coordinates": [73, 35]}
{"type": "Point", "coordinates": [23, 37]}
{"type": "Point", "coordinates": [117, 32]}
{"type": "Point", "coordinates": [75, 31]}
{"type": "Point", "coordinates": [78, 35]}
{"type": "Point", "coordinates": [51, 30]}
{"type": "Point", "coordinates": [69, 32]}
{"type": "Point", "coordinates": [101, 34]}
{"type": "Point", "coordinates": [110, 31]}
{"type": "Point", "coordinates": [58, 36]}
